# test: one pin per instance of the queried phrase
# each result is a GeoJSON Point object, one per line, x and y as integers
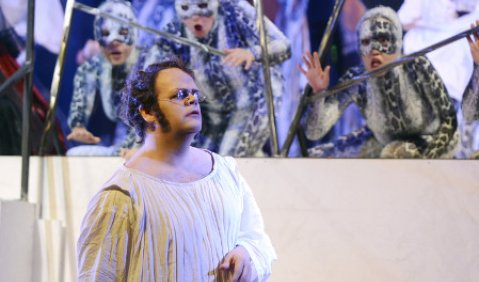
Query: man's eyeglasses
{"type": "Point", "coordinates": [182, 94]}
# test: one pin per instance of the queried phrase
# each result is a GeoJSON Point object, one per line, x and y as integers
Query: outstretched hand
{"type": "Point", "coordinates": [473, 40]}
{"type": "Point", "coordinates": [80, 134]}
{"type": "Point", "coordinates": [238, 56]}
{"type": "Point", "coordinates": [237, 266]}
{"type": "Point", "coordinates": [317, 77]}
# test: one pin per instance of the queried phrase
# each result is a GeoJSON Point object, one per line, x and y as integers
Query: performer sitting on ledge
{"type": "Point", "coordinates": [93, 116]}
{"type": "Point", "coordinates": [407, 108]}
{"type": "Point", "coordinates": [172, 212]}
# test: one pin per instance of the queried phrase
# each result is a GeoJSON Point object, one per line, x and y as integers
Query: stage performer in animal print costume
{"type": "Point", "coordinates": [98, 83]}
{"type": "Point", "coordinates": [407, 109]}
{"type": "Point", "coordinates": [470, 99]}
{"type": "Point", "coordinates": [235, 115]}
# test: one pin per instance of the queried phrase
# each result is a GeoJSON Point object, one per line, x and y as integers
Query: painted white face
{"type": "Point", "coordinates": [108, 30]}
{"type": "Point", "coordinates": [186, 9]}
{"type": "Point", "coordinates": [378, 34]}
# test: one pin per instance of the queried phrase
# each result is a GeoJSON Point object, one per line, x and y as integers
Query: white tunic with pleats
{"type": "Point", "coordinates": [141, 228]}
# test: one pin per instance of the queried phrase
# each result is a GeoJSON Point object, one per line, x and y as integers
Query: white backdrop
{"type": "Point", "coordinates": [329, 220]}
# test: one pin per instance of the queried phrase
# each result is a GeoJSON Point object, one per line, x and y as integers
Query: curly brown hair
{"type": "Point", "coordinates": [139, 93]}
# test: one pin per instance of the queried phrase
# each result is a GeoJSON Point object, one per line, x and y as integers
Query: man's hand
{"type": "Point", "coordinates": [317, 77]}
{"type": "Point", "coordinates": [80, 134]}
{"type": "Point", "coordinates": [236, 57]}
{"type": "Point", "coordinates": [474, 43]}
{"type": "Point", "coordinates": [237, 266]}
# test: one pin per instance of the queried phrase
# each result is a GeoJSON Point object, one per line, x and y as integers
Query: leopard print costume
{"type": "Point", "coordinates": [97, 84]}
{"type": "Point", "coordinates": [470, 99]}
{"type": "Point", "coordinates": [470, 111]}
{"type": "Point", "coordinates": [408, 111]}
{"type": "Point", "coordinates": [235, 116]}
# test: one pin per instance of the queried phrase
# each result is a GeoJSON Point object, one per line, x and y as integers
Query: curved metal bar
{"type": "Point", "coordinates": [263, 37]}
{"type": "Point", "coordinates": [57, 74]}
{"type": "Point", "coordinates": [402, 60]}
{"type": "Point", "coordinates": [181, 40]}
{"type": "Point", "coordinates": [294, 127]}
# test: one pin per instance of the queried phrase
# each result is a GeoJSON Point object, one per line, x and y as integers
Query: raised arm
{"type": "Point", "coordinates": [323, 113]}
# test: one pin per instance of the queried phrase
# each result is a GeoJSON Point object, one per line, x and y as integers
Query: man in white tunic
{"type": "Point", "coordinates": [172, 212]}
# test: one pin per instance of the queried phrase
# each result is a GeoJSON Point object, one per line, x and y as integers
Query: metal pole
{"type": "Point", "coordinates": [57, 74]}
{"type": "Point", "coordinates": [330, 28]}
{"type": "Point", "coordinates": [303, 102]}
{"type": "Point", "coordinates": [21, 72]}
{"type": "Point", "coordinates": [27, 100]}
{"type": "Point", "coordinates": [267, 75]}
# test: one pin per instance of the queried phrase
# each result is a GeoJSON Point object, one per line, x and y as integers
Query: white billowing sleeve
{"type": "Point", "coordinates": [103, 245]}
{"type": "Point", "coordinates": [252, 235]}
{"type": "Point", "coordinates": [432, 15]}
{"type": "Point", "coordinates": [410, 12]}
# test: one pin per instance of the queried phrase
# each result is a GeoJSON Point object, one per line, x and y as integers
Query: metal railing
{"type": "Point", "coordinates": [25, 72]}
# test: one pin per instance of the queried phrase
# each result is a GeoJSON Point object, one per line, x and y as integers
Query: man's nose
{"type": "Point", "coordinates": [191, 99]}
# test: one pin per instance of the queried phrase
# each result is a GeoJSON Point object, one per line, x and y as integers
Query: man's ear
{"type": "Point", "coordinates": [149, 118]}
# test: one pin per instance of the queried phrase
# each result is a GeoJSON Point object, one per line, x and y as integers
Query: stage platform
{"type": "Point", "coordinates": [329, 219]}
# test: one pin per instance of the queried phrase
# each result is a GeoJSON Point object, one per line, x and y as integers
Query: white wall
{"type": "Point", "coordinates": [329, 220]}
{"type": "Point", "coordinates": [17, 221]}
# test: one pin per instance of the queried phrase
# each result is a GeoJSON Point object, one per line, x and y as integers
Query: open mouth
{"type": "Point", "coordinates": [115, 52]}
{"type": "Point", "coordinates": [375, 63]}
{"type": "Point", "coordinates": [198, 27]}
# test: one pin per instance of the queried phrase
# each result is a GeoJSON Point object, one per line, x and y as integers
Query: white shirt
{"type": "Point", "coordinates": [141, 228]}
